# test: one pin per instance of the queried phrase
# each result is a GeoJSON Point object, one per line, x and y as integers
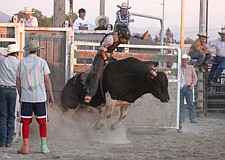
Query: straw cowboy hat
{"type": "Point", "coordinates": [12, 48]}
{"type": "Point", "coordinates": [33, 46]}
{"type": "Point", "coordinates": [202, 34]}
{"type": "Point", "coordinates": [124, 5]}
{"type": "Point", "coordinates": [27, 10]}
{"type": "Point", "coordinates": [185, 56]}
{"type": "Point", "coordinates": [222, 31]}
{"type": "Point", "coordinates": [97, 19]}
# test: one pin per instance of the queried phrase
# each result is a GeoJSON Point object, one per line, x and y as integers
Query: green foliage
{"type": "Point", "coordinates": [74, 17]}
{"type": "Point", "coordinates": [188, 41]}
{"type": "Point", "coordinates": [156, 39]}
{"type": "Point", "coordinates": [43, 21]}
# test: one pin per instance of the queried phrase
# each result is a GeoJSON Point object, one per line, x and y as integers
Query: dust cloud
{"type": "Point", "coordinates": [78, 126]}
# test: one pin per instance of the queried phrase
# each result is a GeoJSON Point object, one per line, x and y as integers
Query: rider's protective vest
{"type": "Point", "coordinates": [111, 48]}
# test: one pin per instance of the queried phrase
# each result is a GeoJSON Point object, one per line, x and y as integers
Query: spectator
{"type": "Point", "coordinates": [187, 81]}
{"type": "Point", "coordinates": [8, 67]}
{"type": "Point", "coordinates": [80, 23]}
{"type": "Point", "coordinates": [198, 51]}
{"type": "Point", "coordinates": [101, 22]}
{"type": "Point", "coordinates": [219, 60]}
{"type": "Point", "coordinates": [123, 16]}
{"type": "Point", "coordinates": [107, 46]}
{"type": "Point", "coordinates": [15, 18]}
{"type": "Point", "coordinates": [32, 81]}
{"type": "Point", "coordinates": [29, 20]}
{"type": "Point", "coordinates": [172, 65]}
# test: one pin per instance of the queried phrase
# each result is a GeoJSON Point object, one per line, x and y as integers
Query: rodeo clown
{"type": "Point", "coordinates": [32, 81]}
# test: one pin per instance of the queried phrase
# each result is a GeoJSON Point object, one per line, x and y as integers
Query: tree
{"type": "Point", "coordinates": [43, 21]}
{"type": "Point", "coordinates": [156, 39]}
{"type": "Point", "coordinates": [74, 17]}
{"type": "Point", "coordinates": [188, 41]}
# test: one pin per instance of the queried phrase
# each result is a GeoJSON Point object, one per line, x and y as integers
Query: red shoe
{"type": "Point", "coordinates": [23, 150]}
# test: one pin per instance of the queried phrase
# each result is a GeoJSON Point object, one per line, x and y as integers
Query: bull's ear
{"type": "Point", "coordinates": [168, 72]}
{"type": "Point", "coordinates": [153, 73]}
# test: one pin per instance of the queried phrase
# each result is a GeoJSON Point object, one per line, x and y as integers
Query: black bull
{"type": "Point", "coordinates": [122, 83]}
{"type": "Point", "coordinates": [125, 80]}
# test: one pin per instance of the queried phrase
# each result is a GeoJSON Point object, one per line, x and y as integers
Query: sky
{"type": "Point", "coordinates": [172, 13]}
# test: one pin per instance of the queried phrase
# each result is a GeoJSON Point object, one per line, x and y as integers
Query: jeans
{"type": "Point", "coordinates": [7, 115]}
{"type": "Point", "coordinates": [98, 68]}
{"type": "Point", "coordinates": [186, 93]}
{"type": "Point", "coordinates": [217, 68]}
{"type": "Point", "coordinates": [199, 56]}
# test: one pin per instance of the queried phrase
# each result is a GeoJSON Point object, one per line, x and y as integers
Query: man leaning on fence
{"type": "Point", "coordinates": [188, 80]}
{"type": "Point", "coordinates": [8, 67]}
{"type": "Point", "coordinates": [198, 51]}
{"type": "Point", "coordinates": [29, 20]}
{"type": "Point", "coordinates": [219, 60]}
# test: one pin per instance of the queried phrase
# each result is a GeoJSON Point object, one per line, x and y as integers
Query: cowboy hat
{"type": "Point", "coordinates": [124, 5]}
{"type": "Point", "coordinates": [185, 56]}
{"type": "Point", "coordinates": [12, 48]}
{"type": "Point", "coordinates": [97, 19]}
{"type": "Point", "coordinates": [222, 31]}
{"type": "Point", "coordinates": [202, 34]}
{"type": "Point", "coordinates": [33, 46]}
{"type": "Point", "coordinates": [27, 10]}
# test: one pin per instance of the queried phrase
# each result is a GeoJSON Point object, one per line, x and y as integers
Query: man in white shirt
{"type": "Point", "coordinates": [8, 68]}
{"type": "Point", "coordinates": [219, 60]}
{"type": "Point", "coordinates": [29, 20]}
{"type": "Point", "coordinates": [80, 23]}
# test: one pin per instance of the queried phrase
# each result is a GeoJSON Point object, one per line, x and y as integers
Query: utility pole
{"type": "Point", "coordinates": [102, 7]}
{"type": "Point", "coordinates": [59, 13]}
{"type": "Point", "coordinates": [201, 90]}
{"type": "Point", "coordinates": [71, 13]}
{"type": "Point", "coordinates": [202, 16]}
{"type": "Point", "coordinates": [182, 26]}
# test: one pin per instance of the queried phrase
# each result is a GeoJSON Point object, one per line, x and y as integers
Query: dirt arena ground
{"type": "Point", "coordinates": [70, 138]}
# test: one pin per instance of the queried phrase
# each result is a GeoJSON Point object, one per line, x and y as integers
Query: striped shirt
{"type": "Point", "coordinates": [31, 71]}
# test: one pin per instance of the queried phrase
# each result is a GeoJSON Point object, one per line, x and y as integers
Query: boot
{"type": "Point", "coordinates": [87, 99]}
{"type": "Point", "coordinates": [24, 149]}
{"type": "Point", "coordinates": [44, 148]}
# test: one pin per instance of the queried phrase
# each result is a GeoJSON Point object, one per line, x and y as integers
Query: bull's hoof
{"type": "Point", "coordinates": [99, 111]}
{"type": "Point", "coordinates": [98, 126]}
{"type": "Point", "coordinates": [90, 110]}
{"type": "Point", "coordinates": [115, 126]}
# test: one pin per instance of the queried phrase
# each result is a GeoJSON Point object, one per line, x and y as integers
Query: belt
{"type": "Point", "coordinates": [2, 86]}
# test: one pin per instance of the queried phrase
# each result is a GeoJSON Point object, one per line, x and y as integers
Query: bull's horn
{"type": "Point", "coordinates": [153, 73]}
{"type": "Point", "coordinates": [167, 72]}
